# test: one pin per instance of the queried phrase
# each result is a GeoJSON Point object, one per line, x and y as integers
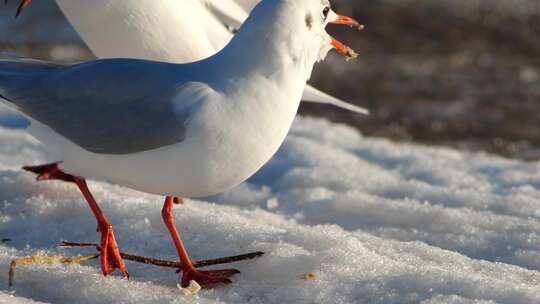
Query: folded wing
{"type": "Point", "coordinates": [114, 106]}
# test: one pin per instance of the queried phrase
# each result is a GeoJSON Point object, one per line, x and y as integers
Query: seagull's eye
{"type": "Point", "coordinates": [325, 12]}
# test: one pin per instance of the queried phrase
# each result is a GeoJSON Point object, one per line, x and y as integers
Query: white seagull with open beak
{"type": "Point", "coordinates": [178, 130]}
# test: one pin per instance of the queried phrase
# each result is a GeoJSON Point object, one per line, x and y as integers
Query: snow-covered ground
{"type": "Point", "coordinates": [375, 221]}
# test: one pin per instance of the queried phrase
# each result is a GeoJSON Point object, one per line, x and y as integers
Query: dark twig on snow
{"type": "Point", "coordinates": [170, 264]}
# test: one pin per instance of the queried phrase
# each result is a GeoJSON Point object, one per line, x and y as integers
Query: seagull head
{"type": "Point", "coordinates": [284, 38]}
{"type": "Point", "coordinates": [308, 20]}
{"type": "Point", "coordinates": [318, 14]}
{"type": "Point", "coordinates": [289, 35]}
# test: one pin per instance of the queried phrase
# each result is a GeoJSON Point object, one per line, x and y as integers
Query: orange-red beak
{"type": "Point", "coordinates": [344, 49]}
{"type": "Point", "coordinates": [344, 20]}
{"type": "Point", "coordinates": [338, 45]}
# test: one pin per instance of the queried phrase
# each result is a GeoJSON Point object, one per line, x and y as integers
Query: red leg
{"type": "Point", "coordinates": [109, 255]}
{"type": "Point", "coordinates": [189, 272]}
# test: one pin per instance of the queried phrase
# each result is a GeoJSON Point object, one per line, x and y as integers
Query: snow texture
{"type": "Point", "coordinates": [374, 221]}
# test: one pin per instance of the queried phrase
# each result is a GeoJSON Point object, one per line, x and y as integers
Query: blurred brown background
{"type": "Point", "coordinates": [462, 73]}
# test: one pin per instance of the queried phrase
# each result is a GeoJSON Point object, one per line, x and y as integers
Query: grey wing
{"type": "Point", "coordinates": [115, 106]}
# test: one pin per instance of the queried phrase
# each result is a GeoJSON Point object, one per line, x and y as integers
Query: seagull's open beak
{"type": "Point", "coordinates": [338, 45]}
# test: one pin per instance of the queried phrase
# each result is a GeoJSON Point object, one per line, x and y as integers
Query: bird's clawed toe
{"type": "Point", "coordinates": [50, 172]}
{"type": "Point", "coordinates": [207, 278]}
{"type": "Point", "coordinates": [110, 254]}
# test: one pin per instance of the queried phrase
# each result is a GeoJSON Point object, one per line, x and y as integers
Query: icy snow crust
{"type": "Point", "coordinates": [375, 221]}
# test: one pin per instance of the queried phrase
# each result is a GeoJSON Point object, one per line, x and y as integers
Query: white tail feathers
{"type": "Point", "coordinates": [313, 95]}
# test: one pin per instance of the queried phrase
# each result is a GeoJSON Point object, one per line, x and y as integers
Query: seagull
{"type": "Point", "coordinates": [177, 130]}
{"type": "Point", "coordinates": [166, 30]}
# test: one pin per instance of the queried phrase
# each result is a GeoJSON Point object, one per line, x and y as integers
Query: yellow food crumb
{"type": "Point", "coordinates": [311, 277]}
